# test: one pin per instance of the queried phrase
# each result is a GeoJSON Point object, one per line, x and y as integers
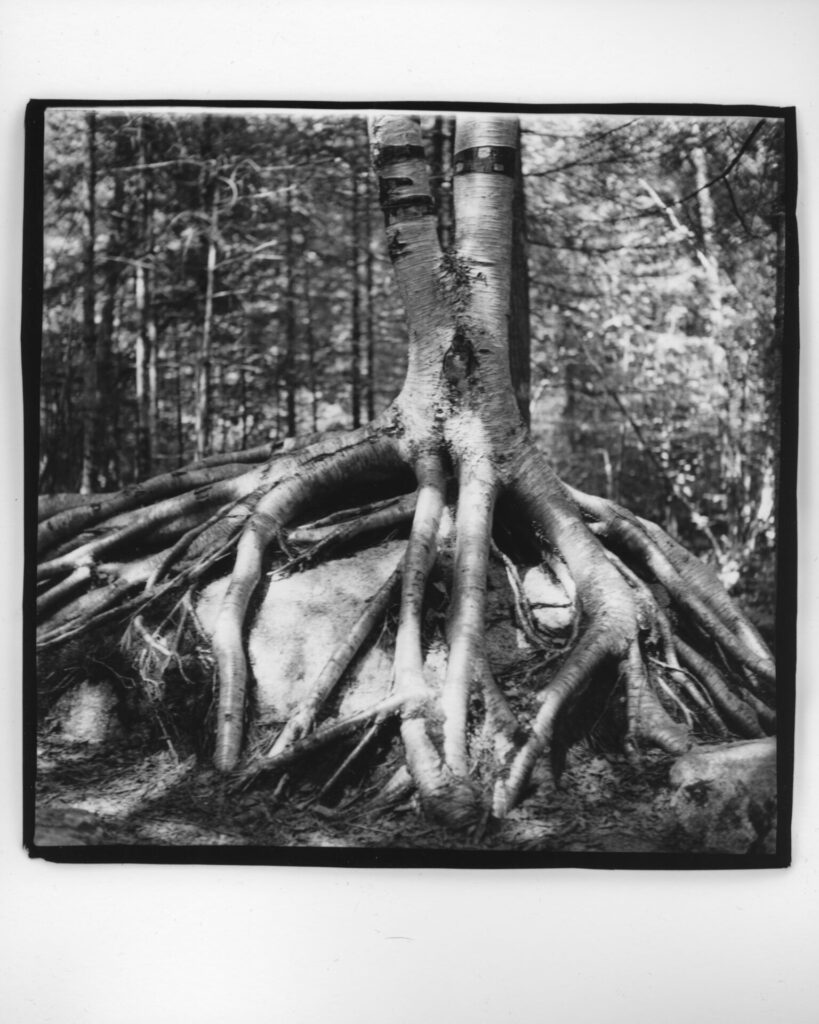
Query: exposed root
{"type": "Point", "coordinates": [322, 737]}
{"type": "Point", "coordinates": [66, 588]}
{"type": "Point", "coordinates": [399, 787]}
{"type": "Point", "coordinates": [317, 529]}
{"type": "Point", "coordinates": [444, 796]}
{"type": "Point", "coordinates": [476, 500]}
{"type": "Point", "coordinates": [647, 720]}
{"type": "Point", "coordinates": [684, 680]}
{"type": "Point", "coordinates": [502, 728]}
{"type": "Point", "coordinates": [323, 539]}
{"type": "Point", "coordinates": [135, 525]}
{"type": "Point", "coordinates": [701, 578]}
{"type": "Point", "coordinates": [108, 603]}
{"type": "Point", "coordinates": [736, 712]}
{"type": "Point", "coordinates": [693, 591]}
{"type": "Point", "coordinates": [213, 532]}
{"type": "Point", "coordinates": [97, 606]}
{"type": "Point", "coordinates": [71, 522]}
{"type": "Point", "coordinates": [569, 680]}
{"type": "Point", "coordinates": [350, 459]}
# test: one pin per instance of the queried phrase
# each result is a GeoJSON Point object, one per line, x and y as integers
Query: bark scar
{"type": "Point", "coordinates": [460, 361]}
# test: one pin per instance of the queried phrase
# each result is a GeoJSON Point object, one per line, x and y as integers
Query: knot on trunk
{"type": "Point", "coordinates": [460, 361]}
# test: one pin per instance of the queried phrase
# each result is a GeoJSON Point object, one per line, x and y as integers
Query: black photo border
{"type": "Point", "coordinates": [786, 609]}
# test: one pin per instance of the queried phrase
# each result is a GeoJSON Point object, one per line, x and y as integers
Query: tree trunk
{"type": "Point", "coordinates": [180, 399]}
{"type": "Point", "coordinates": [520, 344]}
{"type": "Point", "coordinates": [89, 482]}
{"type": "Point", "coordinates": [290, 318]}
{"type": "Point", "coordinates": [311, 348]}
{"type": "Point", "coordinates": [369, 329]}
{"type": "Point", "coordinates": [146, 343]}
{"type": "Point", "coordinates": [203, 373]}
{"type": "Point", "coordinates": [108, 425]}
{"type": "Point", "coordinates": [707, 218]}
{"type": "Point", "coordinates": [355, 305]}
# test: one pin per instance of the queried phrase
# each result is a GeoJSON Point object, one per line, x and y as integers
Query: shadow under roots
{"type": "Point", "coordinates": [346, 774]}
{"type": "Point", "coordinates": [514, 534]}
{"type": "Point", "coordinates": [596, 716]}
{"type": "Point", "coordinates": [380, 485]}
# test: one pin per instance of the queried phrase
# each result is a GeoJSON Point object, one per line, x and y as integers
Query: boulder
{"type": "Point", "coordinates": [300, 621]}
{"type": "Point", "coordinates": [725, 797]}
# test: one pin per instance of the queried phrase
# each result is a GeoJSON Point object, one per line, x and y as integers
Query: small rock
{"type": "Point", "coordinates": [550, 604]}
{"type": "Point", "coordinates": [88, 714]}
{"type": "Point", "coordinates": [725, 797]}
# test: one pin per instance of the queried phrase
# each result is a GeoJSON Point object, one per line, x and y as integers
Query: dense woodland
{"type": "Point", "coordinates": [218, 281]}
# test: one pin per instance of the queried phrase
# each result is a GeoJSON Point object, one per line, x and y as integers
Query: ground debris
{"type": "Point", "coordinates": [135, 797]}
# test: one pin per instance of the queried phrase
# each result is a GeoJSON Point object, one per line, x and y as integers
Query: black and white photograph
{"type": "Point", "coordinates": [411, 485]}
{"type": "Point", "coordinates": [409, 494]}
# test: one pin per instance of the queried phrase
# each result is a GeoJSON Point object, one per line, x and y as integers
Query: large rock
{"type": "Point", "coordinates": [725, 797]}
{"type": "Point", "coordinates": [301, 619]}
{"type": "Point", "coordinates": [299, 623]}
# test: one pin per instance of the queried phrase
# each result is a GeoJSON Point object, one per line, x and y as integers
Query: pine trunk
{"type": "Point", "coordinates": [290, 377]}
{"type": "Point", "coordinates": [203, 374]}
{"type": "Point", "coordinates": [355, 305]}
{"type": "Point", "coordinates": [91, 395]}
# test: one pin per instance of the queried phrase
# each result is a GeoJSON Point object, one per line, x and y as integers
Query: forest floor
{"type": "Point", "coordinates": [130, 796]}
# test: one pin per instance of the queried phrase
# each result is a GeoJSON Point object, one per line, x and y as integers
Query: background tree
{"type": "Point", "coordinates": [659, 321]}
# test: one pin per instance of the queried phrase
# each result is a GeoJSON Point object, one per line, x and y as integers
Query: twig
{"type": "Point", "coordinates": [348, 760]}
{"type": "Point", "coordinates": [318, 739]}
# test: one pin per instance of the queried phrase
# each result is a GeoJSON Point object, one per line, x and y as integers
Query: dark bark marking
{"type": "Point", "coordinates": [384, 155]}
{"type": "Point", "coordinates": [486, 160]}
{"type": "Point", "coordinates": [460, 361]}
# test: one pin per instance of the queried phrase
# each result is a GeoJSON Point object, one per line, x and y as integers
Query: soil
{"type": "Point", "coordinates": [87, 796]}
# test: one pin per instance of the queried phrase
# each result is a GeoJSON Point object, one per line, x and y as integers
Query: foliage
{"type": "Point", "coordinates": [282, 234]}
{"type": "Point", "coordinates": [657, 319]}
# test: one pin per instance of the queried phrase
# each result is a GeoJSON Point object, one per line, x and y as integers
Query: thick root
{"type": "Point", "coordinates": [326, 537]}
{"type": "Point", "coordinates": [476, 502]}
{"type": "Point", "coordinates": [323, 737]}
{"type": "Point", "coordinates": [648, 722]}
{"type": "Point", "coordinates": [72, 521]}
{"type": "Point", "coordinates": [317, 471]}
{"type": "Point", "coordinates": [445, 797]}
{"type": "Point", "coordinates": [699, 596]}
